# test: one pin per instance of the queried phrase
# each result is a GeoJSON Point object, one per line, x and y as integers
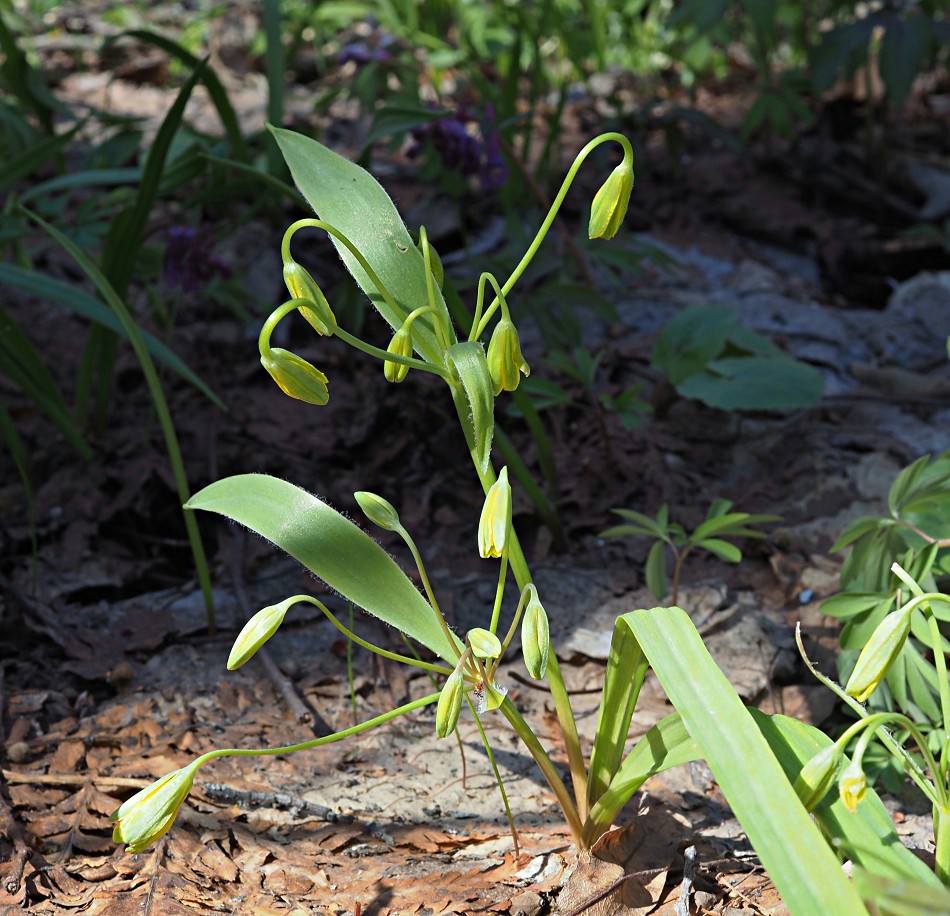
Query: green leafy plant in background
{"type": "Point", "coordinates": [710, 536]}
{"type": "Point", "coordinates": [754, 758]}
{"type": "Point", "coordinates": [707, 355]}
{"type": "Point", "coordinates": [916, 534]}
{"type": "Point", "coordinates": [895, 734]}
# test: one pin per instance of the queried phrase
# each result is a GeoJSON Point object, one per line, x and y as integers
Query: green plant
{"type": "Point", "coordinates": [711, 536]}
{"type": "Point", "coordinates": [754, 758]}
{"type": "Point", "coordinates": [707, 355]}
{"type": "Point", "coordinates": [916, 534]}
{"type": "Point", "coordinates": [898, 735]}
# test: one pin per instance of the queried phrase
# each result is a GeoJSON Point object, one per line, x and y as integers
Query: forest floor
{"type": "Point", "coordinates": [109, 678]}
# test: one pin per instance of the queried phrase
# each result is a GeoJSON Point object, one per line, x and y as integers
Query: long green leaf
{"type": "Point", "coordinates": [79, 301]}
{"type": "Point", "coordinates": [790, 846]}
{"type": "Point", "coordinates": [351, 200]}
{"type": "Point", "coordinates": [216, 91]}
{"type": "Point", "coordinates": [115, 302]}
{"type": "Point", "coordinates": [23, 364]}
{"type": "Point", "coordinates": [626, 669]}
{"type": "Point", "coordinates": [331, 547]}
{"type": "Point", "coordinates": [667, 744]}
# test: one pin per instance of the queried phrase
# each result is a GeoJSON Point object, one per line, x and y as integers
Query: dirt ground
{"type": "Point", "coordinates": [109, 677]}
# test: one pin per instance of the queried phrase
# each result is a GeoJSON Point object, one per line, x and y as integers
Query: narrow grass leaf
{"type": "Point", "coordinates": [80, 302]}
{"type": "Point", "coordinates": [626, 668]}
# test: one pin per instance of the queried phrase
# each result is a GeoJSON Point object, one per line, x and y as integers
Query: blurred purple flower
{"type": "Point", "coordinates": [363, 51]}
{"type": "Point", "coordinates": [463, 151]}
{"type": "Point", "coordinates": [190, 261]}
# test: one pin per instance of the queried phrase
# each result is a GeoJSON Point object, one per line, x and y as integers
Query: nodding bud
{"type": "Point", "coordinates": [296, 377]}
{"type": "Point", "coordinates": [256, 632]}
{"type": "Point", "coordinates": [535, 636]}
{"type": "Point", "coordinates": [435, 262]}
{"type": "Point", "coordinates": [611, 202]}
{"type": "Point", "coordinates": [148, 815]}
{"type": "Point", "coordinates": [484, 643]}
{"type": "Point", "coordinates": [817, 775]}
{"type": "Point", "coordinates": [301, 285]}
{"type": "Point", "coordinates": [450, 704]}
{"type": "Point", "coordinates": [378, 510]}
{"type": "Point", "coordinates": [880, 652]}
{"type": "Point", "coordinates": [495, 519]}
{"type": "Point", "coordinates": [505, 362]}
{"type": "Point", "coordinates": [852, 786]}
{"type": "Point", "coordinates": [400, 345]}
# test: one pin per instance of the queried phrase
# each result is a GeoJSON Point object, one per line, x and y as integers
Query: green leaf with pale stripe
{"type": "Point", "coordinates": [352, 201]}
{"type": "Point", "coordinates": [331, 547]}
{"type": "Point", "coordinates": [468, 363]}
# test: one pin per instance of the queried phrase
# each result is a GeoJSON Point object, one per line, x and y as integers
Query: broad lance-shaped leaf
{"type": "Point", "coordinates": [351, 200]}
{"type": "Point", "coordinates": [331, 547]}
{"type": "Point", "coordinates": [801, 864]}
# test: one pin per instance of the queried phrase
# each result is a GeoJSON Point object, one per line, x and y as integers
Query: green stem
{"type": "Point", "coordinates": [942, 842]}
{"type": "Point", "coordinates": [385, 653]}
{"type": "Point", "coordinates": [318, 742]}
{"type": "Point", "coordinates": [911, 767]}
{"type": "Point", "coordinates": [561, 194]}
{"type": "Point", "coordinates": [430, 594]}
{"type": "Point", "coordinates": [547, 767]}
{"type": "Point", "coordinates": [562, 702]}
{"type": "Point", "coordinates": [498, 779]}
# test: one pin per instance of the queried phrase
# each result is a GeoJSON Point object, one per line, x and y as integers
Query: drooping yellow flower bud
{"type": "Point", "coordinates": [400, 345]}
{"type": "Point", "coordinates": [378, 510]}
{"type": "Point", "coordinates": [484, 643]}
{"type": "Point", "coordinates": [817, 776]}
{"type": "Point", "coordinates": [611, 202]}
{"type": "Point", "coordinates": [256, 632]}
{"type": "Point", "coordinates": [295, 376]}
{"type": "Point", "coordinates": [852, 786]}
{"type": "Point", "coordinates": [301, 285]}
{"type": "Point", "coordinates": [450, 704]}
{"type": "Point", "coordinates": [495, 519]}
{"type": "Point", "coordinates": [880, 652]}
{"type": "Point", "coordinates": [535, 636]}
{"type": "Point", "coordinates": [148, 815]}
{"type": "Point", "coordinates": [505, 362]}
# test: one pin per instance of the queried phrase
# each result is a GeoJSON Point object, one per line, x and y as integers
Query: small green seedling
{"type": "Point", "coordinates": [711, 536]}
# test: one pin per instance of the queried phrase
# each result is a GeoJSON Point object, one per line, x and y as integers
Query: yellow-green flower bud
{"type": "Point", "coordinates": [852, 786]}
{"type": "Point", "coordinates": [450, 704]}
{"type": "Point", "coordinates": [817, 776]}
{"type": "Point", "coordinates": [882, 649]}
{"type": "Point", "coordinates": [148, 815]}
{"type": "Point", "coordinates": [484, 643]}
{"type": "Point", "coordinates": [378, 510]}
{"type": "Point", "coordinates": [535, 636]}
{"type": "Point", "coordinates": [505, 362]}
{"type": "Point", "coordinates": [400, 345]}
{"type": "Point", "coordinates": [256, 632]}
{"type": "Point", "coordinates": [301, 285]}
{"type": "Point", "coordinates": [611, 201]}
{"type": "Point", "coordinates": [495, 519]}
{"type": "Point", "coordinates": [296, 377]}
